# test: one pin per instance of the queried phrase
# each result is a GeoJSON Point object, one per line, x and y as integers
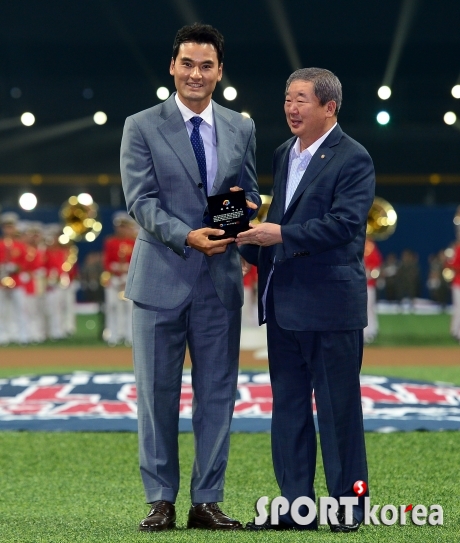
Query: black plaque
{"type": "Point", "coordinates": [228, 212]}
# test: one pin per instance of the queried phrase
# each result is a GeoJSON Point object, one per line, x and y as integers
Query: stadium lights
{"type": "Point", "coordinates": [384, 92]}
{"type": "Point", "coordinates": [285, 32]}
{"type": "Point", "coordinates": [85, 199]}
{"type": "Point", "coordinates": [162, 93]}
{"type": "Point", "coordinates": [456, 91]}
{"type": "Point", "coordinates": [245, 114]}
{"type": "Point", "coordinates": [405, 20]}
{"type": "Point", "coordinates": [28, 201]}
{"type": "Point", "coordinates": [100, 118]}
{"type": "Point", "coordinates": [27, 118]}
{"type": "Point", "coordinates": [450, 118]}
{"type": "Point", "coordinates": [383, 117]}
{"type": "Point", "coordinates": [230, 93]}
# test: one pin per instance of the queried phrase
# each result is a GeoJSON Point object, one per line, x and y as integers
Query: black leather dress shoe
{"type": "Point", "coordinates": [341, 526]}
{"type": "Point", "coordinates": [267, 525]}
{"type": "Point", "coordinates": [162, 516]}
{"type": "Point", "coordinates": [208, 516]}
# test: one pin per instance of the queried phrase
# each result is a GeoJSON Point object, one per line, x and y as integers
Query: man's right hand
{"type": "Point", "coordinates": [199, 240]}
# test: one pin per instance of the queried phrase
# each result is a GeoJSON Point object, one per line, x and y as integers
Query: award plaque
{"type": "Point", "coordinates": [228, 212]}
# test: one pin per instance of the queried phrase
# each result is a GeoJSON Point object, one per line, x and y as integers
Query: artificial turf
{"type": "Point", "coordinates": [85, 487]}
{"type": "Point", "coordinates": [411, 330]}
{"type": "Point", "coordinates": [401, 329]}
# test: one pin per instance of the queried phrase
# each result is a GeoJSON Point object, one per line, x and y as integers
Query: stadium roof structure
{"type": "Point", "coordinates": [63, 61]}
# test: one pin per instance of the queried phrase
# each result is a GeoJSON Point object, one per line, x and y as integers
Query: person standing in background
{"type": "Point", "coordinates": [389, 272]}
{"type": "Point", "coordinates": [117, 251]}
{"type": "Point", "coordinates": [408, 279]}
{"type": "Point", "coordinates": [372, 262]}
{"type": "Point", "coordinates": [13, 313]}
{"type": "Point", "coordinates": [454, 264]}
{"type": "Point", "coordinates": [56, 281]}
{"type": "Point", "coordinates": [36, 283]}
{"type": "Point", "coordinates": [186, 288]}
{"type": "Point", "coordinates": [249, 316]}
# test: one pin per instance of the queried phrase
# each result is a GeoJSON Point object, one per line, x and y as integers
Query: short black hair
{"type": "Point", "coordinates": [199, 33]}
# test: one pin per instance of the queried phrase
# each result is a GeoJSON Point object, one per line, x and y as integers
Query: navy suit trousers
{"type": "Point", "coordinates": [327, 363]}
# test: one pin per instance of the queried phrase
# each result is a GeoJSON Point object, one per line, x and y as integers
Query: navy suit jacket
{"type": "Point", "coordinates": [319, 280]}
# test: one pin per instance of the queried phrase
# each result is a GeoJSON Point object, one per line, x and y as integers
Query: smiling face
{"type": "Point", "coordinates": [306, 117]}
{"type": "Point", "coordinates": [196, 72]}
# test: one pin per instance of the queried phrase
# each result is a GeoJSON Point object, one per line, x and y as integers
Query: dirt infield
{"type": "Point", "coordinates": [120, 357]}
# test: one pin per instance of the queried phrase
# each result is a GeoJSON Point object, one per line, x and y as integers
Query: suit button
{"type": "Point", "coordinates": [295, 254]}
{"type": "Point", "coordinates": [307, 253]}
{"type": "Point", "coordinates": [200, 185]}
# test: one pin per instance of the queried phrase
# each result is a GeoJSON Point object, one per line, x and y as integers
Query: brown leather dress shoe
{"type": "Point", "coordinates": [162, 516]}
{"type": "Point", "coordinates": [208, 516]}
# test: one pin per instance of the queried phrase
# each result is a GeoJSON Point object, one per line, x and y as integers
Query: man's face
{"type": "Point", "coordinates": [306, 117]}
{"type": "Point", "coordinates": [9, 230]}
{"type": "Point", "coordinates": [122, 230]}
{"type": "Point", "coordinates": [196, 72]}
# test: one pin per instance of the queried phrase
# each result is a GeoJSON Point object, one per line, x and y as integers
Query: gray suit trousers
{"type": "Point", "coordinates": [213, 336]}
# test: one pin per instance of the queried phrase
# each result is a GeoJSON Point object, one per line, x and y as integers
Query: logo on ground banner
{"type": "Point", "coordinates": [326, 512]}
{"type": "Point", "coordinates": [388, 404]}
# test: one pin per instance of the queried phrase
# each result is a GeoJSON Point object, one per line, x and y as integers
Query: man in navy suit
{"type": "Point", "coordinates": [186, 288]}
{"type": "Point", "coordinates": [312, 295]}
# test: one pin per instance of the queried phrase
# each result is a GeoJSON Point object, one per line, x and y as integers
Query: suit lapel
{"type": "Point", "coordinates": [225, 136]}
{"type": "Point", "coordinates": [319, 160]}
{"type": "Point", "coordinates": [276, 210]}
{"type": "Point", "coordinates": [175, 133]}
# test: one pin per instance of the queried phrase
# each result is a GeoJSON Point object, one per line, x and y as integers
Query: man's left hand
{"type": "Point", "coordinates": [264, 234]}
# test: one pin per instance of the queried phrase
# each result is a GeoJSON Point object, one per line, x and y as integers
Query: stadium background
{"type": "Point", "coordinates": [63, 61]}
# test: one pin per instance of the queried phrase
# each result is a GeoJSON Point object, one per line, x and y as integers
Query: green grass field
{"type": "Point", "coordinates": [395, 330]}
{"type": "Point", "coordinates": [85, 487]}
{"type": "Point", "coordinates": [415, 330]}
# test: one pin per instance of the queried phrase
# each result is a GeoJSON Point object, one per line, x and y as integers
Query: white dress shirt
{"type": "Point", "coordinates": [208, 135]}
{"type": "Point", "coordinates": [298, 163]}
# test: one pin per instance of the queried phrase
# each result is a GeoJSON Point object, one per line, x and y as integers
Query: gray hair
{"type": "Point", "coordinates": [326, 85]}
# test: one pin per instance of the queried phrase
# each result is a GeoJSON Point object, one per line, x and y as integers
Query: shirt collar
{"type": "Point", "coordinates": [187, 113]}
{"type": "Point", "coordinates": [295, 152]}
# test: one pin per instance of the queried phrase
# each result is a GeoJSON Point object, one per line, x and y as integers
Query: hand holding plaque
{"type": "Point", "coordinates": [228, 212]}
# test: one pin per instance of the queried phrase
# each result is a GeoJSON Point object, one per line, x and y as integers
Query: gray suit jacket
{"type": "Point", "coordinates": [161, 184]}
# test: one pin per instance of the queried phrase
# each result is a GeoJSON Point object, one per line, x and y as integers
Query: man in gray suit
{"type": "Point", "coordinates": [186, 288]}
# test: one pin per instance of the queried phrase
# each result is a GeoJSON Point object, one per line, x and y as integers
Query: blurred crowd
{"type": "Point", "coordinates": [397, 279]}
{"type": "Point", "coordinates": [40, 278]}
{"type": "Point", "coordinates": [37, 282]}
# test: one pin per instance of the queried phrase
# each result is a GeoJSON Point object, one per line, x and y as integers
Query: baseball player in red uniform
{"type": "Point", "coordinates": [372, 262]}
{"type": "Point", "coordinates": [117, 253]}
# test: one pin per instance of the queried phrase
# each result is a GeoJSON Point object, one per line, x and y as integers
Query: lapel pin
{"type": "Point", "coordinates": [323, 156]}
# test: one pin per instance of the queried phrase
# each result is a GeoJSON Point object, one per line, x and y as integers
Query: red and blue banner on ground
{"type": "Point", "coordinates": [84, 401]}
